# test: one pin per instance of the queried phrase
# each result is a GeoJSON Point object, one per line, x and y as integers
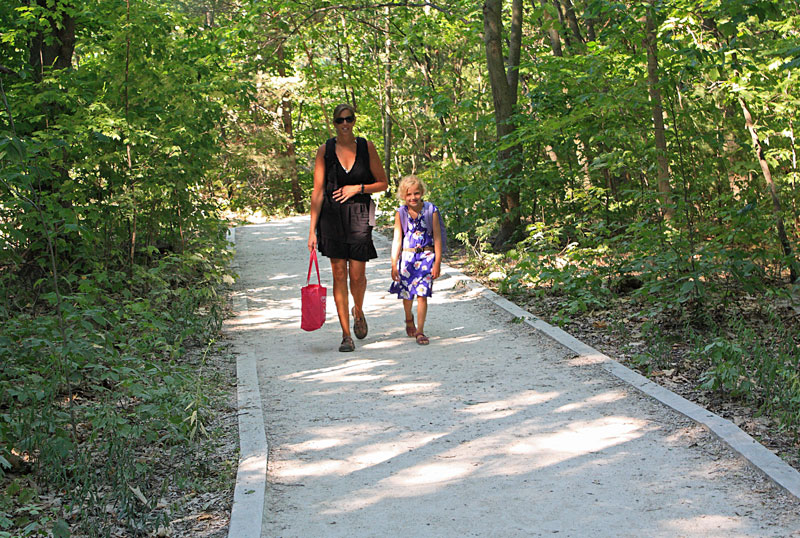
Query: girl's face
{"type": "Point", "coordinates": [413, 197]}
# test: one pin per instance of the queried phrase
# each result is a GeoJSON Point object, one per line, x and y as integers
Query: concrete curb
{"type": "Point", "coordinates": [777, 470]}
{"type": "Point", "coordinates": [251, 475]}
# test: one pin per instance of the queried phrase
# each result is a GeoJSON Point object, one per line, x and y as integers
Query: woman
{"type": "Point", "coordinates": [346, 171]}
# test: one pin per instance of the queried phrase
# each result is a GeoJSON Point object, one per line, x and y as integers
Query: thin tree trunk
{"type": "Point", "coordinates": [322, 105]}
{"type": "Point", "coordinates": [552, 33]}
{"type": "Point", "coordinates": [504, 102]}
{"type": "Point", "coordinates": [127, 126]}
{"type": "Point", "coordinates": [572, 21]}
{"type": "Point", "coordinates": [387, 106]}
{"type": "Point", "coordinates": [563, 20]}
{"type": "Point", "coordinates": [291, 157]}
{"type": "Point", "coordinates": [664, 186]}
{"type": "Point", "coordinates": [730, 148]}
{"type": "Point", "coordinates": [777, 211]}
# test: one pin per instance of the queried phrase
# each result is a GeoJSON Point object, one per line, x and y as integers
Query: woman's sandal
{"type": "Point", "coordinates": [347, 344]}
{"type": "Point", "coordinates": [359, 324]}
{"type": "Point", "coordinates": [422, 339]}
{"type": "Point", "coordinates": [411, 329]}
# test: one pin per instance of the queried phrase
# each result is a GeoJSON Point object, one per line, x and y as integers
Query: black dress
{"type": "Point", "coordinates": [344, 230]}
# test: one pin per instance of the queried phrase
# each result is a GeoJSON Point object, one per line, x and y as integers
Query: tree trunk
{"type": "Point", "coordinates": [552, 33]}
{"type": "Point", "coordinates": [777, 211]}
{"type": "Point", "coordinates": [664, 186]}
{"type": "Point", "coordinates": [322, 105]}
{"type": "Point", "coordinates": [387, 106]}
{"type": "Point", "coordinates": [502, 83]}
{"type": "Point", "coordinates": [572, 21]}
{"type": "Point", "coordinates": [291, 157]}
{"type": "Point", "coordinates": [56, 47]}
{"type": "Point", "coordinates": [563, 20]}
{"type": "Point", "coordinates": [730, 148]}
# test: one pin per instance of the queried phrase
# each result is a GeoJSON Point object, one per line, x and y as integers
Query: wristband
{"type": "Point", "coordinates": [362, 188]}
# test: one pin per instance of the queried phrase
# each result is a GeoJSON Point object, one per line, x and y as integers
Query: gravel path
{"type": "Point", "coordinates": [491, 430]}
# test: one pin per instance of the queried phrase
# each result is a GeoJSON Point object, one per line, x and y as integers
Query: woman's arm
{"type": "Point", "coordinates": [316, 196]}
{"type": "Point", "coordinates": [397, 246]}
{"type": "Point", "coordinates": [376, 167]}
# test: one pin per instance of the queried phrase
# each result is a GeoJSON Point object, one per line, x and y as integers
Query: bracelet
{"type": "Point", "coordinates": [362, 188]}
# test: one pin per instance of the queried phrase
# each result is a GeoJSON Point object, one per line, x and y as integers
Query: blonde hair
{"type": "Point", "coordinates": [343, 106]}
{"type": "Point", "coordinates": [408, 182]}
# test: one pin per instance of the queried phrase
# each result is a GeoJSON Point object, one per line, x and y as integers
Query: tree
{"type": "Point", "coordinates": [504, 82]}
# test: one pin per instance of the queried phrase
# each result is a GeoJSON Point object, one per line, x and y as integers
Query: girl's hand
{"type": "Point", "coordinates": [395, 274]}
{"type": "Point", "coordinates": [312, 242]}
{"type": "Point", "coordinates": [345, 193]}
{"type": "Point", "coordinates": [436, 270]}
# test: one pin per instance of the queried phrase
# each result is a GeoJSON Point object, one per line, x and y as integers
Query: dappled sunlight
{"type": "Point", "coordinates": [388, 344]}
{"type": "Point", "coordinates": [723, 526]}
{"type": "Point", "coordinates": [284, 276]}
{"type": "Point", "coordinates": [432, 474]}
{"type": "Point", "coordinates": [604, 398]}
{"type": "Point", "coordinates": [360, 459]}
{"type": "Point", "coordinates": [316, 444]}
{"type": "Point", "coordinates": [404, 389]}
{"type": "Point", "coordinates": [503, 408]}
{"type": "Point", "coordinates": [351, 371]}
{"type": "Point", "coordinates": [579, 437]}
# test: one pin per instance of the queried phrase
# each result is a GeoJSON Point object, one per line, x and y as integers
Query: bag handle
{"type": "Point", "coordinates": [313, 261]}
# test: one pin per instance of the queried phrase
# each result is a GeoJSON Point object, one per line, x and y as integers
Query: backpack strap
{"type": "Point", "coordinates": [403, 212]}
{"type": "Point", "coordinates": [428, 209]}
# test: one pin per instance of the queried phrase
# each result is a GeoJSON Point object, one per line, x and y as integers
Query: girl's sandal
{"type": "Point", "coordinates": [422, 339]}
{"type": "Point", "coordinates": [411, 329]}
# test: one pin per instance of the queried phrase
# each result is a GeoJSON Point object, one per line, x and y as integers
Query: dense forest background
{"type": "Point", "coordinates": [588, 150]}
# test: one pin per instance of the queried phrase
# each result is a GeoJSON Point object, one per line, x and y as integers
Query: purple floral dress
{"type": "Point", "coordinates": [415, 267]}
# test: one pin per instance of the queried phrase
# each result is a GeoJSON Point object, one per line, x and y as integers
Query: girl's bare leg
{"type": "Point", "coordinates": [422, 311]}
{"type": "Point", "coordinates": [339, 270]}
{"type": "Point", "coordinates": [407, 304]}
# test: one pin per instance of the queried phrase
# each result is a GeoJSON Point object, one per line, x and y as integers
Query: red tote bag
{"type": "Point", "coordinates": [313, 299]}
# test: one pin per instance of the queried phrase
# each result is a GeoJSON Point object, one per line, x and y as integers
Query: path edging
{"type": "Point", "coordinates": [773, 467]}
{"type": "Point", "coordinates": [251, 475]}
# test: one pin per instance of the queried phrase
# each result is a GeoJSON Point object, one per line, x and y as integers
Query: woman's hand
{"type": "Point", "coordinates": [345, 193]}
{"type": "Point", "coordinates": [395, 273]}
{"type": "Point", "coordinates": [312, 241]}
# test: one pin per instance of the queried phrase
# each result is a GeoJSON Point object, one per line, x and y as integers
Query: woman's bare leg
{"type": "Point", "coordinates": [358, 285]}
{"type": "Point", "coordinates": [339, 270]}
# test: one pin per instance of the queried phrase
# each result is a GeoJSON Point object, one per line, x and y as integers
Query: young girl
{"type": "Point", "coordinates": [418, 246]}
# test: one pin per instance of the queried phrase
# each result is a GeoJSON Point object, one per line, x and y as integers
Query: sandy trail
{"type": "Point", "coordinates": [491, 430]}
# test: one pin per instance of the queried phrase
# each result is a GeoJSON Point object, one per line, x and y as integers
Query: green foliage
{"type": "Point", "coordinates": [760, 369]}
{"type": "Point", "coordinates": [112, 255]}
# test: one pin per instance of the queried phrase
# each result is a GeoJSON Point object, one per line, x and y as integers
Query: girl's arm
{"type": "Point", "coordinates": [437, 246]}
{"type": "Point", "coordinates": [316, 196]}
{"type": "Point", "coordinates": [397, 246]}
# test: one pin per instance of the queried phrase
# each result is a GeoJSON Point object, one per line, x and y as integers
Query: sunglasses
{"type": "Point", "coordinates": [348, 119]}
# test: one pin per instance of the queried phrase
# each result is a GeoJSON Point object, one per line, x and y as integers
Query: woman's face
{"type": "Point", "coordinates": [413, 196]}
{"type": "Point", "coordinates": [344, 121]}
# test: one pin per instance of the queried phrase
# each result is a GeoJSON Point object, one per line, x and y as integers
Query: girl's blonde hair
{"type": "Point", "coordinates": [408, 182]}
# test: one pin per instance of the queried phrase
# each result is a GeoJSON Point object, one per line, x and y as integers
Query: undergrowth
{"type": "Point", "coordinates": [90, 399]}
